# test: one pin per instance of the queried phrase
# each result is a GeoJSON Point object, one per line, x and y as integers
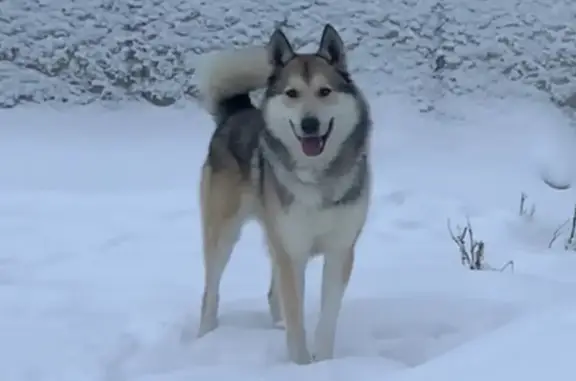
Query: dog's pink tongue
{"type": "Point", "coordinates": [311, 146]}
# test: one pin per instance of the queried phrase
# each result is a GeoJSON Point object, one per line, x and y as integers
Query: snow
{"type": "Point", "coordinates": [79, 52]}
{"type": "Point", "coordinates": [100, 263]}
{"type": "Point", "coordinates": [101, 271]}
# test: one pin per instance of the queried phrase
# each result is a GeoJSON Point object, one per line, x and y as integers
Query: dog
{"type": "Point", "coordinates": [298, 163]}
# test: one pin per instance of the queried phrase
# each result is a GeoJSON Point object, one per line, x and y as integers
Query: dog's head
{"type": "Point", "coordinates": [311, 103]}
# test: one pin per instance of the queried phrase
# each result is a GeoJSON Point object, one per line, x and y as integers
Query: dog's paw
{"type": "Point", "coordinates": [279, 324]}
{"type": "Point", "coordinates": [299, 355]}
{"type": "Point", "coordinates": [303, 360]}
{"type": "Point", "coordinates": [207, 327]}
{"type": "Point", "coordinates": [319, 356]}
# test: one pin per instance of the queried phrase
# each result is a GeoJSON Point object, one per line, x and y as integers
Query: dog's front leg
{"type": "Point", "coordinates": [335, 277]}
{"type": "Point", "coordinates": [289, 274]}
{"type": "Point", "coordinates": [291, 284]}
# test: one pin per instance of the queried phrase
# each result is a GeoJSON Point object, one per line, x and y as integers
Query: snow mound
{"type": "Point", "coordinates": [79, 52]}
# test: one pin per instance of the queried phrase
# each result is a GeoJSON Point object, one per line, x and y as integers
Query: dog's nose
{"type": "Point", "coordinates": [310, 125]}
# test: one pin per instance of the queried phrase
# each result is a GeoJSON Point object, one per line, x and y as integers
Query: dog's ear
{"type": "Point", "coordinates": [279, 49]}
{"type": "Point", "coordinates": [332, 47]}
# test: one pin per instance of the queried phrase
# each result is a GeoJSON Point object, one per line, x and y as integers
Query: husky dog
{"type": "Point", "coordinates": [298, 164]}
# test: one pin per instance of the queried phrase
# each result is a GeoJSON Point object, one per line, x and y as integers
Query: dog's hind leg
{"type": "Point", "coordinates": [222, 219]}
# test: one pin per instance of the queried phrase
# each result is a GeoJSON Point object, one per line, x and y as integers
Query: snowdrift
{"type": "Point", "coordinates": [79, 52]}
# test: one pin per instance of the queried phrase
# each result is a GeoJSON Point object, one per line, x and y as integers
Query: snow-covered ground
{"type": "Point", "coordinates": [78, 51]}
{"type": "Point", "coordinates": [100, 262]}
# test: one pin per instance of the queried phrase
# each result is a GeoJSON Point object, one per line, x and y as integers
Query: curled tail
{"type": "Point", "coordinates": [226, 78]}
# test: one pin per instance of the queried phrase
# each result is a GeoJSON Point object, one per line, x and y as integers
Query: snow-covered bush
{"type": "Point", "coordinates": [79, 51]}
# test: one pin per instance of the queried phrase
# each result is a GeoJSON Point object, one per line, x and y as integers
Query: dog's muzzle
{"type": "Point", "coordinates": [311, 141]}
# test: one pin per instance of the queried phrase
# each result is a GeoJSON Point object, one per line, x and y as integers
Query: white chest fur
{"type": "Point", "coordinates": [306, 230]}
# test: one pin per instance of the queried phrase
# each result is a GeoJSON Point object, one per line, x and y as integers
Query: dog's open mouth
{"type": "Point", "coordinates": [313, 145]}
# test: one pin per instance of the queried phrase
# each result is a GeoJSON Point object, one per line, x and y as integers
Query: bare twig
{"type": "Point", "coordinates": [522, 201]}
{"type": "Point", "coordinates": [473, 257]}
{"type": "Point", "coordinates": [570, 241]}
{"type": "Point", "coordinates": [500, 269]}
{"type": "Point", "coordinates": [460, 242]}
{"type": "Point", "coordinates": [522, 211]}
{"type": "Point", "coordinates": [477, 253]}
{"type": "Point", "coordinates": [557, 233]}
{"type": "Point", "coordinates": [470, 234]}
{"type": "Point", "coordinates": [506, 265]}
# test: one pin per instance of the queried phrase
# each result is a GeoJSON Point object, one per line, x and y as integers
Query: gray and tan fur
{"type": "Point", "coordinates": [298, 163]}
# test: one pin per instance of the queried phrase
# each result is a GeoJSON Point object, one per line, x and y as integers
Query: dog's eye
{"type": "Point", "coordinates": [324, 92]}
{"type": "Point", "coordinates": [291, 93]}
